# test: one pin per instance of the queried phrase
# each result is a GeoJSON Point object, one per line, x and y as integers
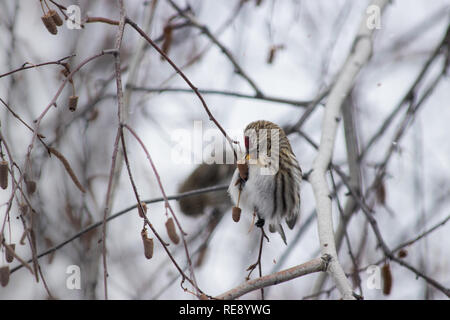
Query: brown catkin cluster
{"type": "Point", "coordinates": [170, 227]}
{"type": "Point", "coordinates": [4, 174]}
{"type": "Point", "coordinates": [148, 244]}
{"type": "Point", "coordinates": [51, 21]}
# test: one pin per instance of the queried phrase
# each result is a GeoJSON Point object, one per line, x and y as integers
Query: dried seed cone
{"type": "Point", "coordinates": [4, 174]}
{"type": "Point", "coordinates": [9, 252]}
{"type": "Point", "coordinates": [387, 278]}
{"type": "Point", "coordinates": [73, 102]}
{"type": "Point", "coordinates": [148, 244]}
{"type": "Point", "coordinates": [49, 23]}
{"type": "Point", "coordinates": [56, 18]}
{"type": "Point", "coordinates": [170, 227]}
{"type": "Point", "coordinates": [236, 214]}
{"type": "Point", "coordinates": [4, 276]}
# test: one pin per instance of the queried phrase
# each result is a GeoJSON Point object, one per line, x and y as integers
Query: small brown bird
{"type": "Point", "coordinates": [271, 187]}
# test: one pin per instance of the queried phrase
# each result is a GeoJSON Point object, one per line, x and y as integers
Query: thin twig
{"type": "Point", "coordinates": [315, 265]}
{"type": "Point", "coordinates": [205, 106]}
{"type": "Point", "coordinates": [297, 103]}
{"type": "Point", "coordinates": [141, 209]}
{"type": "Point", "coordinates": [167, 204]}
{"type": "Point", "coordinates": [203, 28]}
{"type": "Point", "coordinates": [108, 201]}
{"type": "Point", "coordinates": [121, 213]}
{"type": "Point", "coordinates": [28, 65]}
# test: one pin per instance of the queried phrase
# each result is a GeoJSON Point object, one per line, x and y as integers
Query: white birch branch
{"type": "Point", "coordinates": [315, 265]}
{"type": "Point", "coordinates": [361, 52]}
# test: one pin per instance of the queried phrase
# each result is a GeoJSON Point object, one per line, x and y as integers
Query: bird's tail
{"type": "Point", "coordinates": [278, 228]}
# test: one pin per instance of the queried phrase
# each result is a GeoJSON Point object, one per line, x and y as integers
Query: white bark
{"type": "Point", "coordinates": [315, 265]}
{"type": "Point", "coordinates": [360, 54]}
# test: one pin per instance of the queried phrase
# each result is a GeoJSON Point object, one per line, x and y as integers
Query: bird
{"type": "Point", "coordinates": [269, 186]}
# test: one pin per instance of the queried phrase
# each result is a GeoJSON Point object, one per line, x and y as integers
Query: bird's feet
{"type": "Point", "coordinates": [260, 223]}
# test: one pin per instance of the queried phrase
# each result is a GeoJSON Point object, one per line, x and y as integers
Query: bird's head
{"type": "Point", "coordinates": [258, 136]}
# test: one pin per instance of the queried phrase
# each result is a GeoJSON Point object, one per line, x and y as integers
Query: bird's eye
{"type": "Point", "coordinates": [246, 140]}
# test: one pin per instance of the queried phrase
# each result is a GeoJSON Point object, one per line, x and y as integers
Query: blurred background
{"type": "Point", "coordinates": [290, 52]}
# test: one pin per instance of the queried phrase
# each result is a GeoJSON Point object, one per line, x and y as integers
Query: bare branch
{"type": "Point", "coordinates": [315, 265]}
{"type": "Point", "coordinates": [356, 60]}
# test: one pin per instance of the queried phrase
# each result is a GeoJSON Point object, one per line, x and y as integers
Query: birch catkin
{"type": "Point", "coordinates": [73, 102]}
{"type": "Point", "coordinates": [4, 174]}
{"type": "Point", "coordinates": [4, 276]}
{"type": "Point", "coordinates": [49, 23]}
{"type": "Point", "coordinates": [55, 17]}
{"type": "Point", "coordinates": [236, 214]}
{"type": "Point", "coordinates": [170, 227]}
{"type": "Point", "coordinates": [148, 244]}
{"type": "Point", "coordinates": [387, 278]}
{"type": "Point", "coordinates": [9, 252]}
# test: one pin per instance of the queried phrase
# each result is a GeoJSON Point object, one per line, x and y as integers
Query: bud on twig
{"type": "Point", "coordinates": [170, 227]}
{"type": "Point", "coordinates": [272, 53]}
{"type": "Point", "coordinates": [4, 174]}
{"type": "Point", "coordinates": [402, 253]}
